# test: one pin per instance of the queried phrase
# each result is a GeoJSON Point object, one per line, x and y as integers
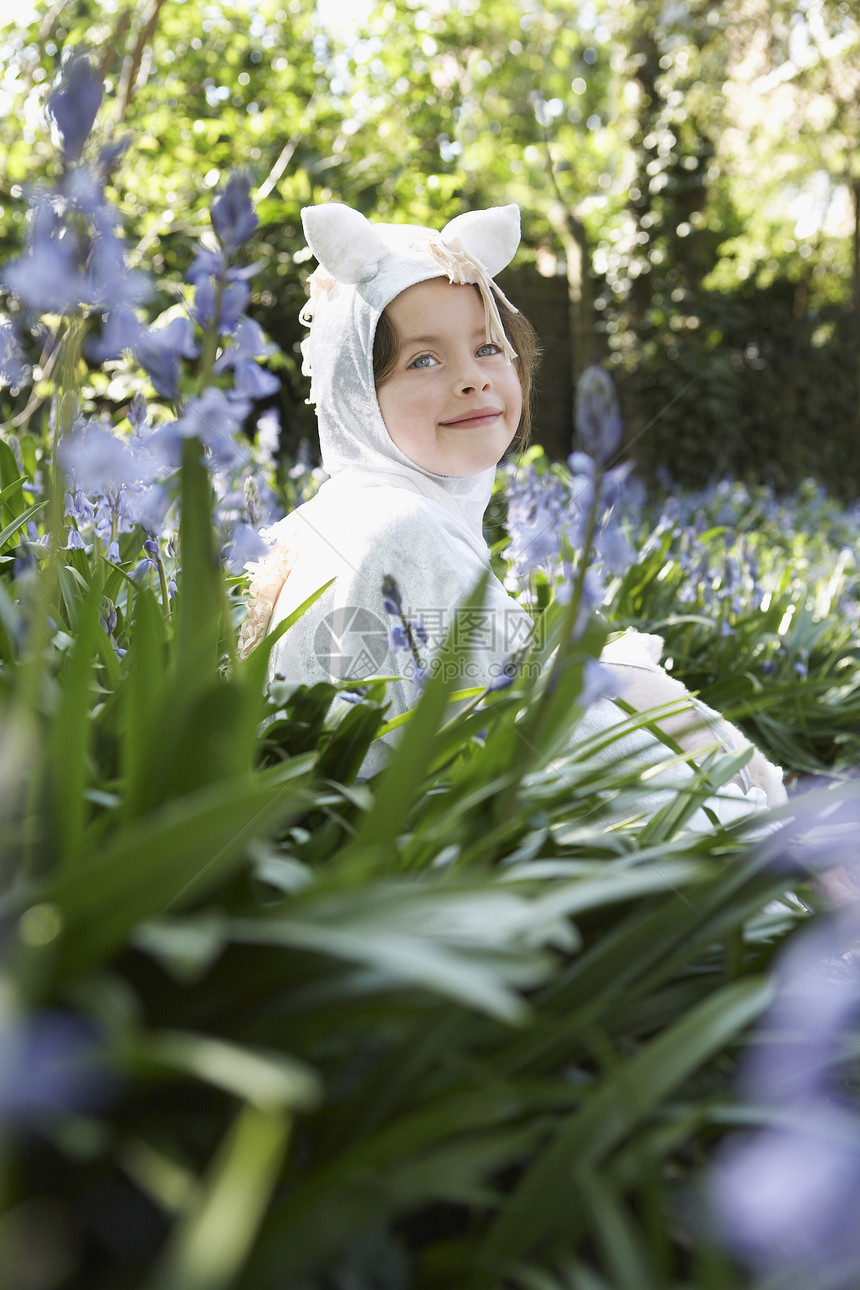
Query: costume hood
{"type": "Point", "coordinates": [368, 511]}
{"type": "Point", "coordinates": [362, 268]}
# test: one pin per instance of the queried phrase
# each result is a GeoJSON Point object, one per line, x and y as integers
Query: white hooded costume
{"type": "Point", "coordinates": [381, 514]}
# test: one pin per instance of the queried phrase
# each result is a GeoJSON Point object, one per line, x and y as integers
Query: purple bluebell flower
{"type": "Point", "coordinates": [75, 102]}
{"type": "Point", "coordinates": [47, 277]}
{"type": "Point", "coordinates": [506, 675]}
{"type": "Point", "coordinates": [143, 567]}
{"type": "Point", "coordinates": [246, 546]}
{"type": "Point", "coordinates": [786, 1199]}
{"type": "Point", "coordinates": [598, 416]}
{"type": "Point", "coordinates": [254, 381]}
{"type": "Point", "coordinates": [74, 541]}
{"type": "Point", "coordinates": [159, 349]}
{"type": "Point", "coordinates": [109, 155]}
{"type": "Point", "coordinates": [97, 459]}
{"type": "Point", "coordinates": [234, 301]}
{"type": "Point", "coordinates": [137, 414]}
{"type": "Point", "coordinates": [120, 331]}
{"type": "Point", "coordinates": [206, 264]}
{"type": "Point", "coordinates": [233, 216]}
{"type": "Point", "coordinates": [616, 549]}
{"type": "Point", "coordinates": [215, 420]}
{"type": "Point", "coordinates": [13, 369]}
{"type": "Point", "coordinates": [785, 1196]}
{"type": "Point", "coordinates": [110, 282]}
{"type": "Point", "coordinates": [597, 683]}
{"type": "Point", "coordinates": [541, 518]}
{"type": "Point", "coordinates": [51, 1062]}
{"type": "Point", "coordinates": [247, 342]}
{"type": "Point", "coordinates": [148, 506]}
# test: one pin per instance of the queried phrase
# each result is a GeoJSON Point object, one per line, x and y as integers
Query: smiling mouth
{"type": "Point", "coordinates": [476, 417]}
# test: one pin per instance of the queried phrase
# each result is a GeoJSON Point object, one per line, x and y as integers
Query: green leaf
{"type": "Point", "coordinates": [270, 1081]}
{"type": "Point", "coordinates": [70, 737]}
{"type": "Point", "coordinates": [15, 525]}
{"type": "Point", "coordinates": [401, 780]}
{"type": "Point", "coordinates": [170, 858]}
{"type": "Point", "coordinates": [214, 1234]}
{"type": "Point", "coordinates": [622, 1100]}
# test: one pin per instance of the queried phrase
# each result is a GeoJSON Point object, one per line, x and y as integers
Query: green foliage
{"type": "Point", "coordinates": [447, 1022]}
{"type": "Point", "coordinates": [698, 210]}
{"type": "Point", "coordinates": [473, 1022]}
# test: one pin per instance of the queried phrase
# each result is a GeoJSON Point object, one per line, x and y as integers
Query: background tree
{"type": "Point", "coordinates": [687, 171]}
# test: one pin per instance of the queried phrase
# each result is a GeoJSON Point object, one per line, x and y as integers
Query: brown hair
{"type": "Point", "coordinates": [519, 331]}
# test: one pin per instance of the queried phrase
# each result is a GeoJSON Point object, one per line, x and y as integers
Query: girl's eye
{"type": "Point", "coordinates": [488, 351]}
{"type": "Point", "coordinates": [422, 362]}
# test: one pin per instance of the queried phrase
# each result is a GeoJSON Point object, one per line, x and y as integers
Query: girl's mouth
{"type": "Point", "coordinates": [474, 418]}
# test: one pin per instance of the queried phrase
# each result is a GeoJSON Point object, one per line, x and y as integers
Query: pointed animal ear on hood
{"type": "Point", "coordinates": [346, 244]}
{"type": "Point", "coordinates": [491, 237]}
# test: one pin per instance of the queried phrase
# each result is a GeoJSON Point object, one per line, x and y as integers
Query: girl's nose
{"type": "Point", "coordinates": [472, 377]}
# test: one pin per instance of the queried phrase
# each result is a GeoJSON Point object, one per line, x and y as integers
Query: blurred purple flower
{"type": "Point", "coordinates": [598, 417]}
{"type": "Point", "coordinates": [46, 278]}
{"type": "Point", "coordinates": [786, 1198]}
{"type": "Point", "coordinates": [75, 102]}
{"type": "Point", "coordinates": [111, 283]}
{"type": "Point", "coordinates": [398, 637]}
{"type": "Point", "coordinates": [120, 331]}
{"type": "Point", "coordinates": [541, 515]}
{"type": "Point", "coordinates": [233, 216]}
{"type": "Point", "coordinates": [96, 459]}
{"type": "Point", "coordinates": [616, 549]}
{"type": "Point", "coordinates": [13, 369]}
{"type": "Point", "coordinates": [507, 672]}
{"type": "Point", "coordinates": [110, 154]}
{"type": "Point", "coordinates": [159, 349]}
{"type": "Point", "coordinates": [597, 683]}
{"type": "Point", "coordinates": [820, 833]}
{"type": "Point", "coordinates": [254, 381]}
{"type": "Point", "coordinates": [248, 342]}
{"type": "Point", "coordinates": [206, 264]}
{"type": "Point", "coordinates": [137, 414]}
{"type": "Point", "coordinates": [233, 303]}
{"type": "Point", "coordinates": [215, 420]}
{"type": "Point", "coordinates": [148, 507]}
{"type": "Point", "coordinates": [246, 545]}
{"type": "Point", "coordinates": [51, 1061]}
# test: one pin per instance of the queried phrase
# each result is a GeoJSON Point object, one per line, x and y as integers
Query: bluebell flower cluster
{"type": "Point", "coordinates": [554, 514]}
{"type": "Point", "coordinates": [122, 480]}
{"type": "Point", "coordinates": [803, 542]}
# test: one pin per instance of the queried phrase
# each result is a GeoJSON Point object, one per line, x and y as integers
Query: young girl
{"type": "Point", "coordinates": [422, 374]}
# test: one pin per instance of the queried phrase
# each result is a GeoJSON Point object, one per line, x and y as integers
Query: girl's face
{"type": "Point", "coordinates": [453, 402]}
